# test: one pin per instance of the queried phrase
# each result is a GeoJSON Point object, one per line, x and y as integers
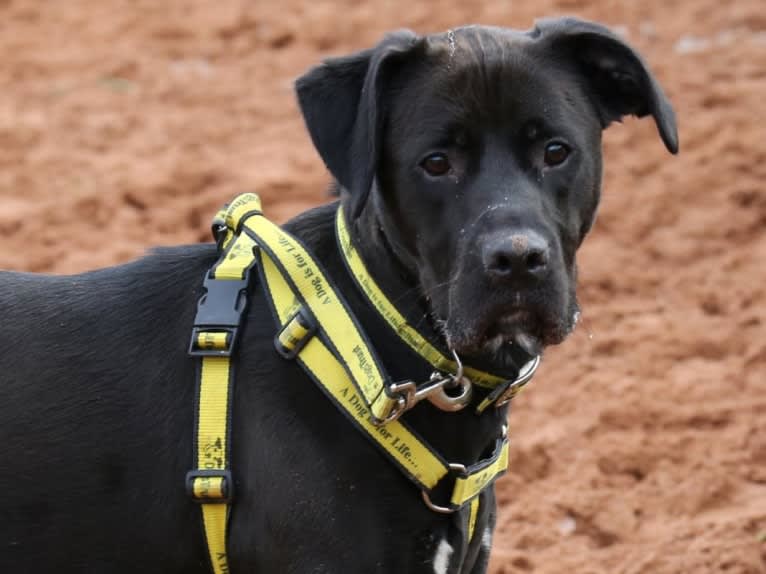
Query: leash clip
{"type": "Point", "coordinates": [435, 390]}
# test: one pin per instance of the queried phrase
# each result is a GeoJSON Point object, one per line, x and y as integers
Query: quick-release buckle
{"type": "Point", "coordinates": [219, 313]}
{"type": "Point", "coordinates": [209, 493]}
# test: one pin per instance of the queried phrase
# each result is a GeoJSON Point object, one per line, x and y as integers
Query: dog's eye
{"type": "Point", "coordinates": [555, 153]}
{"type": "Point", "coordinates": [436, 164]}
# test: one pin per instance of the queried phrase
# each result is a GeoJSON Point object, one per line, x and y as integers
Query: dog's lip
{"type": "Point", "coordinates": [508, 323]}
{"type": "Point", "coordinates": [502, 327]}
{"type": "Point", "coordinates": [514, 317]}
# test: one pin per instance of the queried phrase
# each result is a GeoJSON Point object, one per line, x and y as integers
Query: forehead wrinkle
{"type": "Point", "coordinates": [424, 106]}
{"type": "Point", "coordinates": [488, 61]}
{"type": "Point", "coordinates": [489, 77]}
{"type": "Point", "coordinates": [421, 127]}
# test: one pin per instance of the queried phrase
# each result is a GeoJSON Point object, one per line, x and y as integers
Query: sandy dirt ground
{"type": "Point", "coordinates": [641, 445]}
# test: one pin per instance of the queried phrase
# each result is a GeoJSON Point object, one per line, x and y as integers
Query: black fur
{"type": "Point", "coordinates": [96, 388]}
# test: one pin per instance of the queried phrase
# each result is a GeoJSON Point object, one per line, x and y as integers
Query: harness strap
{"type": "Point", "coordinates": [411, 454]}
{"type": "Point", "coordinates": [211, 485]}
{"type": "Point", "coordinates": [317, 328]}
{"type": "Point", "coordinates": [329, 311]}
{"type": "Point", "coordinates": [341, 361]}
{"type": "Point", "coordinates": [323, 305]}
{"type": "Point", "coordinates": [473, 513]}
{"type": "Point", "coordinates": [214, 335]}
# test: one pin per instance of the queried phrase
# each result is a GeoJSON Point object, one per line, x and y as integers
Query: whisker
{"type": "Point", "coordinates": [584, 323]}
{"type": "Point", "coordinates": [425, 293]}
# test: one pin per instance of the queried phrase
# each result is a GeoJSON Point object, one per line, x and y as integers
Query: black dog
{"type": "Point", "coordinates": [470, 165]}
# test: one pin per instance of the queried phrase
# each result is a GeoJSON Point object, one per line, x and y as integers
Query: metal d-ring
{"type": "Point", "coordinates": [459, 468]}
{"type": "Point", "coordinates": [526, 373]}
{"type": "Point", "coordinates": [436, 507]}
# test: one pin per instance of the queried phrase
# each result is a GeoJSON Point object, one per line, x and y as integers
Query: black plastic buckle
{"type": "Point", "coordinates": [220, 310]}
{"type": "Point", "coordinates": [227, 486]}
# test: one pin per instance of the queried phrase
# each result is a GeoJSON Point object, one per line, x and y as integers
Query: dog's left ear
{"type": "Point", "coordinates": [620, 81]}
{"type": "Point", "coordinates": [342, 105]}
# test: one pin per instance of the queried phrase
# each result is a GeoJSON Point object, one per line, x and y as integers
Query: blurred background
{"type": "Point", "coordinates": [641, 445]}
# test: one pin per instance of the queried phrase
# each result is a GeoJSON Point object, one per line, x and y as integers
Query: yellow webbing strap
{"type": "Point", "coordinates": [414, 458]}
{"type": "Point", "coordinates": [212, 455]}
{"type": "Point", "coordinates": [395, 319]}
{"type": "Point", "coordinates": [472, 515]}
{"type": "Point", "coordinates": [409, 452]}
{"type": "Point", "coordinates": [211, 483]}
{"type": "Point", "coordinates": [341, 362]}
{"type": "Point", "coordinates": [334, 318]}
{"type": "Point", "coordinates": [293, 281]}
{"type": "Point", "coordinates": [478, 476]}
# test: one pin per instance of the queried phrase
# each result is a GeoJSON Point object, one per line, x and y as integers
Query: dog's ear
{"type": "Point", "coordinates": [342, 105]}
{"type": "Point", "coordinates": [620, 81]}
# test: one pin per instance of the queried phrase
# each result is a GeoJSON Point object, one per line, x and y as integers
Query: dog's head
{"type": "Point", "coordinates": [478, 154]}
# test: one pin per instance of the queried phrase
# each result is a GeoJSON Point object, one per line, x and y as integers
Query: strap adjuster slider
{"type": "Point", "coordinates": [213, 486]}
{"type": "Point", "coordinates": [298, 330]}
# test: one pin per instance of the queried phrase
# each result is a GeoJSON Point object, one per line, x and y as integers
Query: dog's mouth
{"type": "Point", "coordinates": [489, 324]}
{"type": "Point", "coordinates": [518, 327]}
{"type": "Point", "coordinates": [490, 338]}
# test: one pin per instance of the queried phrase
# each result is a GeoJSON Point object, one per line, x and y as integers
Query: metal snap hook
{"type": "Point", "coordinates": [452, 402]}
{"type": "Point", "coordinates": [449, 402]}
{"type": "Point", "coordinates": [409, 394]}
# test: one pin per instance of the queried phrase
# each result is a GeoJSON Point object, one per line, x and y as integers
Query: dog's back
{"type": "Point", "coordinates": [97, 402]}
{"type": "Point", "coordinates": [90, 366]}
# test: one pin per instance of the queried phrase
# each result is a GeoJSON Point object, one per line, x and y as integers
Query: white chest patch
{"type": "Point", "coordinates": [486, 539]}
{"type": "Point", "coordinates": [441, 558]}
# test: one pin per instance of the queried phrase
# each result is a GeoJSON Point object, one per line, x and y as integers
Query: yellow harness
{"type": "Point", "coordinates": [317, 328]}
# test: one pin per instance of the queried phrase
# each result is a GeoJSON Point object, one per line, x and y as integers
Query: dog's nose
{"type": "Point", "coordinates": [517, 257]}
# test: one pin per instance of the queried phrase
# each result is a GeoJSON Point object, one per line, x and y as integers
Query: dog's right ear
{"type": "Point", "coordinates": [342, 105]}
{"type": "Point", "coordinates": [621, 82]}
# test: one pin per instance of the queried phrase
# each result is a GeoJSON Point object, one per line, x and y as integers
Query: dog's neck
{"type": "Point", "coordinates": [460, 436]}
{"type": "Point", "coordinates": [394, 269]}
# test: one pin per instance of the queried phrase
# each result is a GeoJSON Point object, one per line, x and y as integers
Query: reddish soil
{"type": "Point", "coordinates": [641, 446]}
